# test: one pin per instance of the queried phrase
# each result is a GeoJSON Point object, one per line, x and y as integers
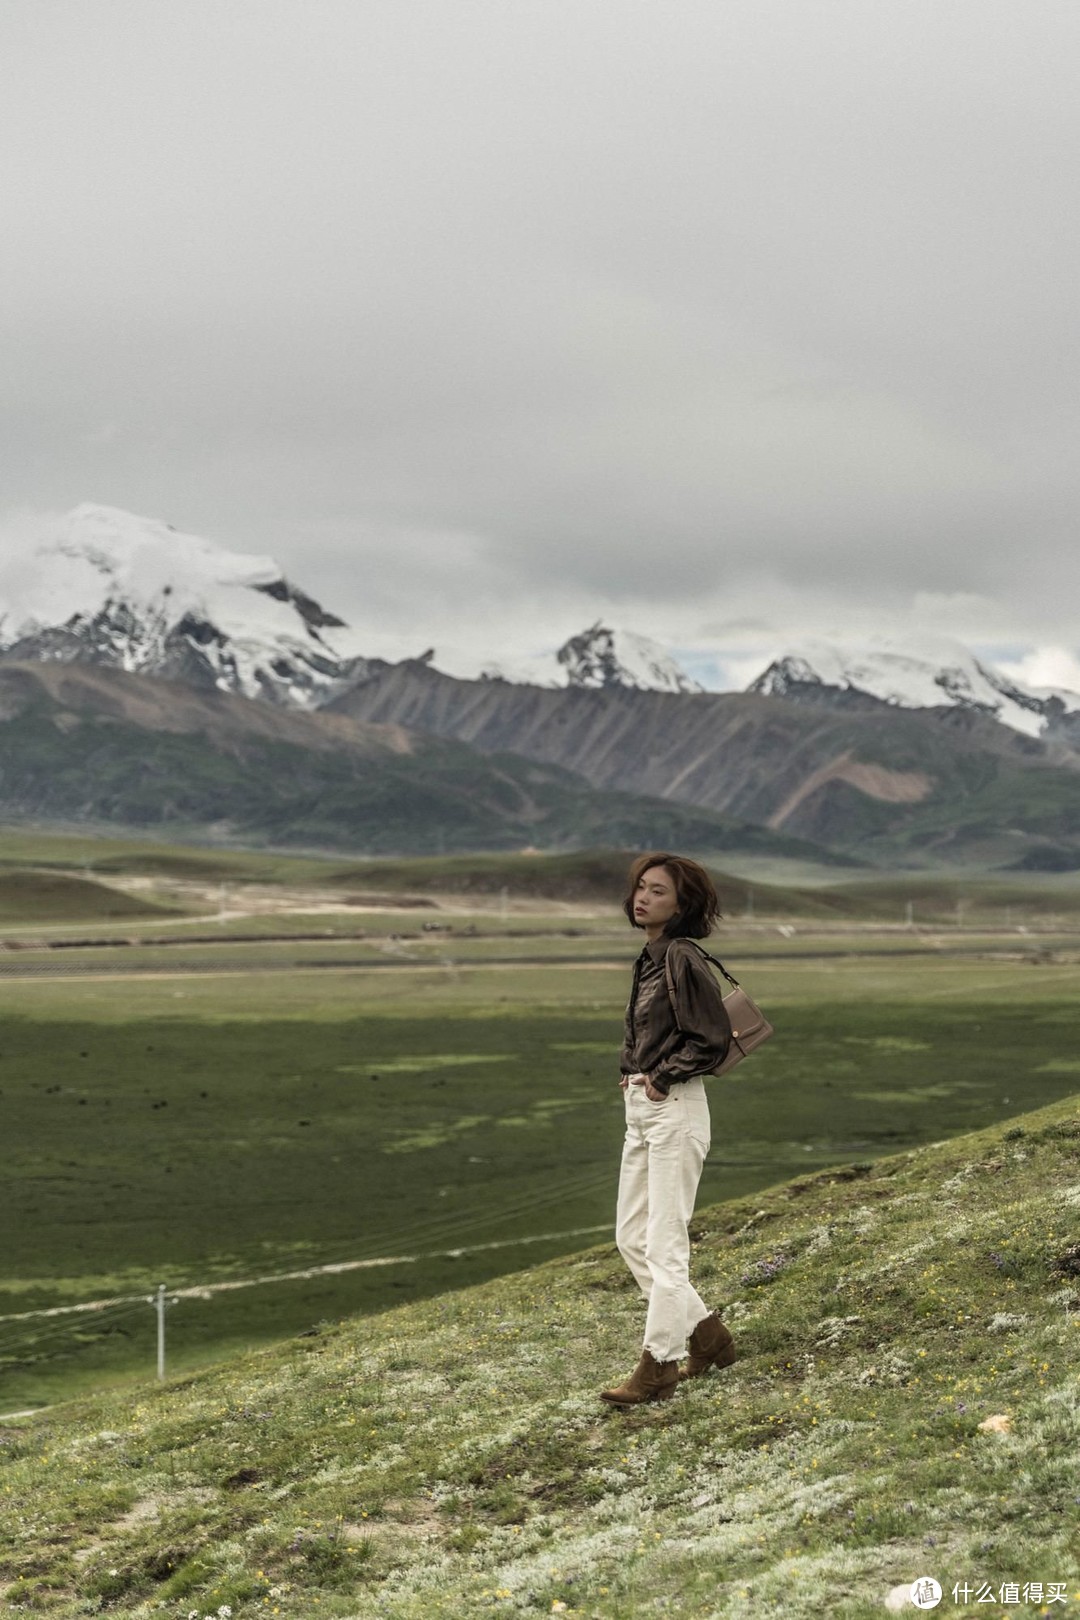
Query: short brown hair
{"type": "Point", "coordinates": [699, 903]}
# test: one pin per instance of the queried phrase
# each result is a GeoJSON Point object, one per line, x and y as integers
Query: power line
{"type": "Point", "coordinates": [232, 1285]}
{"type": "Point", "coordinates": [59, 1317]}
{"type": "Point", "coordinates": [26, 1334]}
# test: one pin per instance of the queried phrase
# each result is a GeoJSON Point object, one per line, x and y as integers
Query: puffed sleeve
{"type": "Point", "coordinates": [702, 1018]}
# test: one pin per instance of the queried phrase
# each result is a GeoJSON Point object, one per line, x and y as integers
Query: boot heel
{"type": "Point", "coordinates": [711, 1345]}
{"type": "Point", "coordinates": [647, 1382]}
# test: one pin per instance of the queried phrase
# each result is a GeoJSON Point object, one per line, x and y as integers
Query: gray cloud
{"type": "Point", "coordinates": [508, 315]}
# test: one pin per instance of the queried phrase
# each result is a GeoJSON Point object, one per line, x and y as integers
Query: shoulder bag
{"type": "Point", "coordinates": [749, 1026]}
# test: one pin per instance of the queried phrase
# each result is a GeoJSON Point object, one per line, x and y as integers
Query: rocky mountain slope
{"type": "Point", "coordinates": [86, 744]}
{"type": "Point", "coordinates": [866, 777]}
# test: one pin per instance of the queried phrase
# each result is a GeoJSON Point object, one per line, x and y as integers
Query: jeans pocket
{"type": "Point", "coordinates": [698, 1124]}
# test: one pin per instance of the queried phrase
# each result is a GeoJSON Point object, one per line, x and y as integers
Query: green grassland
{"type": "Point", "coordinates": [408, 1082]}
{"type": "Point", "coordinates": [420, 1435]}
{"type": "Point", "coordinates": [201, 1128]}
{"type": "Point", "coordinates": [905, 1402]}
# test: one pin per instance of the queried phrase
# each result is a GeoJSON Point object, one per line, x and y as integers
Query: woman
{"type": "Point", "coordinates": [676, 1031]}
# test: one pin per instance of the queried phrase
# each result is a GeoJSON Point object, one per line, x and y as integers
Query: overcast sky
{"type": "Point", "coordinates": [724, 320]}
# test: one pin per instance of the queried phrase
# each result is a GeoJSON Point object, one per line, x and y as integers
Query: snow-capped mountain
{"type": "Point", "coordinates": [104, 586]}
{"type": "Point", "coordinates": [602, 657]}
{"type": "Point", "coordinates": [598, 657]}
{"type": "Point", "coordinates": [918, 673]}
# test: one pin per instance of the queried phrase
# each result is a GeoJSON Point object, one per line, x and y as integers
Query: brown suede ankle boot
{"type": "Point", "coordinates": [650, 1381]}
{"type": "Point", "coordinates": [711, 1345]}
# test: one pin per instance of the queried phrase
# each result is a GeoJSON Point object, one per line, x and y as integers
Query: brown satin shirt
{"type": "Point", "coordinates": [655, 1043]}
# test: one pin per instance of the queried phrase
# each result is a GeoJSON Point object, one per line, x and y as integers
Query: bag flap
{"type": "Point", "coordinates": [746, 1016]}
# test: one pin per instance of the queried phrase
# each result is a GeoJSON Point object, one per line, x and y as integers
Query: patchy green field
{"type": "Point", "coordinates": [906, 1403]}
{"type": "Point", "coordinates": [192, 1129]}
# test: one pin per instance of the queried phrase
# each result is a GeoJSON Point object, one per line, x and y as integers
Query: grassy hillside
{"type": "Point", "coordinates": [906, 1403]}
{"type": "Point", "coordinates": [592, 874]}
{"type": "Point", "coordinates": [96, 848]}
{"type": "Point", "coordinates": [43, 897]}
{"type": "Point", "coordinates": [600, 874]}
{"type": "Point", "coordinates": [1006, 816]}
{"type": "Point", "coordinates": [40, 882]}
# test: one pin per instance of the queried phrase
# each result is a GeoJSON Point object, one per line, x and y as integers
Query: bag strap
{"type": "Point", "coordinates": [715, 960]}
{"type": "Point", "coordinates": [670, 982]}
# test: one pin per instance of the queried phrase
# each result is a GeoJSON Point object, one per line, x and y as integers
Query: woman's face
{"type": "Point", "coordinates": [656, 900]}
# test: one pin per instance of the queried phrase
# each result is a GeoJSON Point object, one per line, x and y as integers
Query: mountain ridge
{"type": "Point", "coordinates": [868, 778]}
{"type": "Point", "coordinates": [92, 744]}
{"type": "Point", "coordinates": [102, 585]}
{"type": "Point", "coordinates": [916, 751]}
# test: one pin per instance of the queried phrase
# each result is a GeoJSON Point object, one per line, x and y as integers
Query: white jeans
{"type": "Point", "coordinates": [665, 1147]}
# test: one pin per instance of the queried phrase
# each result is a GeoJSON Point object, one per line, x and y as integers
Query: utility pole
{"type": "Point", "coordinates": [161, 1330]}
{"type": "Point", "coordinates": [158, 1302]}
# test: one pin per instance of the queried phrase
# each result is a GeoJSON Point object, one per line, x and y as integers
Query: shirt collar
{"type": "Point", "coordinates": [656, 949]}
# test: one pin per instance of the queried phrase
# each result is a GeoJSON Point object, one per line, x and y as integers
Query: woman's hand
{"type": "Point", "coordinates": [642, 1080]}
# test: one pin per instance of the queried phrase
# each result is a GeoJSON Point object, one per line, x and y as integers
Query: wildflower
{"type": "Point", "coordinates": [765, 1270]}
